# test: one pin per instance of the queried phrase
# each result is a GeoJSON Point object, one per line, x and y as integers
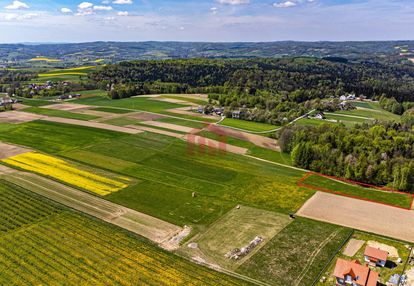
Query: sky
{"type": "Point", "coordinates": [205, 20]}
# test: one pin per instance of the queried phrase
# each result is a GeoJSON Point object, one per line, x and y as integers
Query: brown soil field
{"type": "Point", "coordinates": [17, 117]}
{"type": "Point", "coordinates": [352, 247]}
{"type": "Point", "coordinates": [93, 124]}
{"type": "Point", "coordinates": [8, 150]}
{"type": "Point", "coordinates": [363, 215]}
{"type": "Point", "coordinates": [257, 140]}
{"type": "Point", "coordinates": [147, 226]}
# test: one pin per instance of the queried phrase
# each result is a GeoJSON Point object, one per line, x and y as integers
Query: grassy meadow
{"type": "Point", "coordinates": [168, 173]}
{"type": "Point", "coordinates": [248, 125]}
{"type": "Point", "coordinates": [353, 190]}
{"type": "Point", "coordinates": [297, 254]}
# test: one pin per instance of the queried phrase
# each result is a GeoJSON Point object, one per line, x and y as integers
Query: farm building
{"type": "Point", "coordinates": [353, 273]}
{"type": "Point", "coordinates": [375, 256]}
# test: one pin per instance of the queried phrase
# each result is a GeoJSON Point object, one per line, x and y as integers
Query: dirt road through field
{"type": "Point", "coordinates": [147, 226]}
{"type": "Point", "coordinates": [363, 215]}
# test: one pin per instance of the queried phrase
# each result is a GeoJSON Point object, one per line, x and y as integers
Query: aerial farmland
{"type": "Point", "coordinates": [269, 164]}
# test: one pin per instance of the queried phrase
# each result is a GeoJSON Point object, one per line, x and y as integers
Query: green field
{"type": "Point", "coordinates": [136, 103]}
{"type": "Point", "coordinates": [59, 113]}
{"type": "Point", "coordinates": [395, 199]}
{"type": "Point", "coordinates": [168, 173]}
{"type": "Point", "coordinates": [372, 112]}
{"type": "Point", "coordinates": [385, 272]}
{"type": "Point", "coordinates": [297, 254]}
{"type": "Point", "coordinates": [35, 102]}
{"type": "Point", "coordinates": [200, 101]}
{"type": "Point", "coordinates": [112, 110]}
{"type": "Point", "coordinates": [259, 152]}
{"type": "Point", "coordinates": [182, 122]}
{"type": "Point", "coordinates": [42, 243]}
{"type": "Point", "coordinates": [248, 125]}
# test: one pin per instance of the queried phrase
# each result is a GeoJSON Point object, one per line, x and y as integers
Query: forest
{"type": "Point", "coordinates": [272, 90]}
{"type": "Point", "coordinates": [379, 154]}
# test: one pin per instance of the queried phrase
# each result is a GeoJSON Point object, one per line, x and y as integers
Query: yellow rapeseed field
{"type": "Point", "coordinates": [65, 172]}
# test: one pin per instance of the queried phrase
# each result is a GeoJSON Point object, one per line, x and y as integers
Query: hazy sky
{"type": "Point", "coordinates": [205, 20]}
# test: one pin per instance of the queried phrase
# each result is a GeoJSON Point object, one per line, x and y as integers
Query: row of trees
{"type": "Point", "coordinates": [381, 154]}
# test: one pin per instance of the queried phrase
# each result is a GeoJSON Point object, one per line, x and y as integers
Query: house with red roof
{"type": "Point", "coordinates": [375, 256]}
{"type": "Point", "coordinates": [353, 273]}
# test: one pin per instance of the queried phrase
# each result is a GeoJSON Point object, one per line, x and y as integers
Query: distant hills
{"type": "Point", "coordinates": [76, 53]}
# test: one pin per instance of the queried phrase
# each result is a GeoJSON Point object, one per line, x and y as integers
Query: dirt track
{"type": "Point", "coordinates": [363, 215]}
{"type": "Point", "coordinates": [147, 226]}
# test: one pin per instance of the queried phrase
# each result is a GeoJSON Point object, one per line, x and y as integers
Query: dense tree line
{"type": "Point", "coordinates": [381, 154]}
{"type": "Point", "coordinates": [309, 78]}
{"type": "Point", "coordinates": [392, 105]}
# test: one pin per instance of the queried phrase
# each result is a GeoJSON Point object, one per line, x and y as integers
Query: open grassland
{"type": "Point", "coordinates": [248, 125]}
{"type": "Point", "coordinates": [374, 113]}
{"type": "Point", "coordinates": [59, 113]}
{"type": "Point", "coordinates": [92, 93]}
{"type": "Point", "coordinates": [52, 137]}
{"type": "Point", "coordinates": [353, 190]}
{"type": "Point", "coordinates": [236, 229]}
{"type": "Point", "coordinates": [112, 110]}
{"type": "Point", "coordinates": [42, 243]}
{"type": "Point", "coordinates": [396, 249]}
{"type": "Point", "coordinates": [136, 103]}
{"type": "Point", "coordinates": [187, 123]}
{"type": "Point", "coordinates": [66, 172]}
{"type": "Point", "coordinates": [256, 151]}
{"type": "Point", "coordinates": [35, 102]}
{"type": "Point", "coordinates": [168, 173]}
{"type": "Point", "coordinates": [297, 254]}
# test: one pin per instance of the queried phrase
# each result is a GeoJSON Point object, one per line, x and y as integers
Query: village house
{"type": "Point", "coordinates": [353, 273]}
{"type": "Point", "coordinates": [375, 256]}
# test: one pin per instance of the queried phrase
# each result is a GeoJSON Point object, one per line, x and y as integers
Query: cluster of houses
{"type": "Point", "coordinates": [353, 273]}
{"type": "Point", "coordinates": [237, 253]}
